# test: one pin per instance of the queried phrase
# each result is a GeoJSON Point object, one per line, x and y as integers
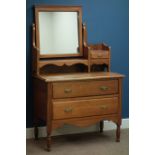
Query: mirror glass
{"type": "Point", "coordinates": [58, 33]}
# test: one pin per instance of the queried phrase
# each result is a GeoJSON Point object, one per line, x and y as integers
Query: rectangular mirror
{"type": "Point", "coordinates": [58, 31]}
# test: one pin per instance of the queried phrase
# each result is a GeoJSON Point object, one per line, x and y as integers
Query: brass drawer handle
{"type": "Point", "coordinates": [67, 90]}
{"type": "Point", "coordinates": [69, 109]}
{"type": "Point", "coordinates": [103, 106]}
{"type": "Point", "coordinates": [104, 88]}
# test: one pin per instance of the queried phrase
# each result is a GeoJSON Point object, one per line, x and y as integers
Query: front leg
{"type": "Point", "coordinates": [48, 143]}
{"type": "Point", "coordinates": [48, 139]}
{"type": "Point", "coordinates": [36, 132]}
{"type": "Point", "coordinates": [36, 128]}
{"type": "Point", "coordinates": [118, 133]}
{"type": "Point", "coordinates": [49, 117]}
{"type": "Point", "coordinates": [101, 126]}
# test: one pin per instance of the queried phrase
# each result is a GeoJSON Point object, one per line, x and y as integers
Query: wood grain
{"type": "Point", "coordinates": [84, 121]}
{"type": "Point", "coordinates": [83, 108]}
{"type": "Point", "coordinates": [79, 76]}
{"type": "Point", "coordinates": [66, 90]}
{"type": "Point", "coordinates": [98, 54]}
{"type": "Point", "coordinates": [84, 88]}
{"type": "Point", "coordinates": [61, 62]}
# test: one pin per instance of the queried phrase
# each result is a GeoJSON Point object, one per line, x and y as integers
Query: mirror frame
{"type": "Point", "coordinates": [42, 8]}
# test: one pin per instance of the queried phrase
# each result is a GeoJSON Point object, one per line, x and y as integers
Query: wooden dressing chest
{"type": "Point", "coordinates": [75, 88]}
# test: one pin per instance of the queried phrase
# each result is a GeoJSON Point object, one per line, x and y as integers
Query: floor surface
{"type": "Point", "coordinates": [82, 144]}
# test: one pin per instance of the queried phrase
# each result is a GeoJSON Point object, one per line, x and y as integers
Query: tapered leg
{"type": "Point", "coordinates": [118, 133]}
{"type": "Point", "coordinates": [36, 129]}
{"type": "Point", "coordinates": [36, 132]}
{"type": "Point", "coordinates": [101, 126]}
{"type": "Point", "coordinates": [48, 143]}
{"type": "Point", "coordinates": [48, 138]}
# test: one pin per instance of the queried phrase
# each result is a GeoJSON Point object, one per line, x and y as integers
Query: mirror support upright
{"type": "Point", "coordinates": [35, 53]}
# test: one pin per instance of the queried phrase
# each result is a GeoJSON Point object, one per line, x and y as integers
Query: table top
{"type": "Point", "coordinates": [80, 76]}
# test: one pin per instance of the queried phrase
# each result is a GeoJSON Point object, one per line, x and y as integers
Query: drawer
{"type": "Point", "coordinates": [83, 108]}
{"type": "Point", "coordinates": [97, 54]}
{"type": "Point", "coordinates": [84, 88]}
{"type": "Point", "coordinates": [99, 61]}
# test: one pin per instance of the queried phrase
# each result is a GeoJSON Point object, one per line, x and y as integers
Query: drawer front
{"type": "Point", "coordinates": [97, 54]}
{"type": "Point", "coordinates": [83, 108]}
{"type": "Point", "coordinates": [99, 61]}
{"type": "Point", "coordinates": [84, 88]}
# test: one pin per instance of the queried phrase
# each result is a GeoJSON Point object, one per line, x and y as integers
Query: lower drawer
{"type": "Point", "coordinates": [82, 108]}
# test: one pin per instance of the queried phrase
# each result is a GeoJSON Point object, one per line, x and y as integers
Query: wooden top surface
{"type": "Point", "coordinates": [80, 76]}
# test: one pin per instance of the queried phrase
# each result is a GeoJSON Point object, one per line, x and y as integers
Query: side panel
{"type": "Point", "coordinates": [40, 99]}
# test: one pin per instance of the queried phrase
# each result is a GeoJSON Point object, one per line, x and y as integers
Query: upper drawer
{"type": "Point", "coordinates": [84, 88]}
{"type": "Point", "coordinates": [97, 54]}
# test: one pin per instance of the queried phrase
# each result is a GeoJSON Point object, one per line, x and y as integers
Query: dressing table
{"type": "Point", "coordinates": [72, 82]}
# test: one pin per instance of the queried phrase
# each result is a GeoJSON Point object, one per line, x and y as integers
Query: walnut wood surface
{"type": "Point", "coordinates": [61, 62]}
{"type": "Point", "coordinates": [83, 108]}
{"type": "Point", "coordinates": [84, 32]}
{"type": "Point", "coordinates": [80, 76]}
{"type": "Point", "coordinates": [67, 90]}
{"type": "Point", "coordinates": [40, 98]}
{"type": "Point", "coordinates": [99, 61]}
{"type": "Point", "coordinates": [84, 121]}
{"type": "Point", "coordinates": [84, 88]}
{"type": "Point", "coordinates": [79, 111]}
{"type": "Point", "coordinates": [98, 54]}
